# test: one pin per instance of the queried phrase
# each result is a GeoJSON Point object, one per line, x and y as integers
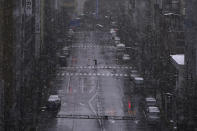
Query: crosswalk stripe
{"type": "Point", "coordinates": [98, 67]}
{"type": "Point", "coordinates": [89, 46]}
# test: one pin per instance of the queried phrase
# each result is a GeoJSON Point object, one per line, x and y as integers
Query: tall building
{"type": "Point", "coordinates": [19, 64]}
{"type": "Point", "coordinates": [1, 66]}
{"type": "Point", "coordinates": [190, 115]}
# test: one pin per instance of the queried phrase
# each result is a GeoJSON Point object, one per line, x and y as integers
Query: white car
{"type": "Point", "coordinates": [150, 101]}
{"type": "Point", "coordinates": [152, 115]}
{"type": "Point", "coordinates": [120, 47]}
{"type": "Point", "coordinates": [126, 57]}
{"type": "Point", "coordinates": [134, 73]}
{"type": "Point", "coordinates": [54, 102]}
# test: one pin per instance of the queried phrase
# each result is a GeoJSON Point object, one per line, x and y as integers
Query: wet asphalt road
{"type": "Point", "coordinates": [87, 89]}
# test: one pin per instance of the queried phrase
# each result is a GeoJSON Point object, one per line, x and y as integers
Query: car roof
{"type": "Point", "coordinates": [53, 97]}
{"type": "Point", "coordinates": [120, 45]}
{"type": "Point", "coordinates": [139, 78]}
{"type": "Point", "coordinates": [65, 48]}
{"type": "Point", "coordinates": [126, 55]}
{"type": "Point", "coordinates": [150, 99]}
{"type": "Point", "coordinates": [153, 109]}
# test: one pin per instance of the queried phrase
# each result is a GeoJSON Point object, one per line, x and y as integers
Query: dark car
{"type": "Point", "coordinates": [152, 115]}
{"type": "Point", "coordinates": [54, 102]}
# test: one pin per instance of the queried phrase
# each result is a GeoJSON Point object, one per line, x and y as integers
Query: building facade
{"type": "Point", "coordinates": [190, 116]}
{"type": "Point", "coordinates": [19, 64]}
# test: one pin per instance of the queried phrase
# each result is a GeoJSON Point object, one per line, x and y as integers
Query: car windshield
{"type": "Point", "coordinates": [151, 103]}
{"type": "Point", "coordinates": [154, 114]}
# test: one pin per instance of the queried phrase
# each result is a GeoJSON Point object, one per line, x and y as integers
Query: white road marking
{"type": "Point", "coordinates": [89, 102]}
{"type": "Point", "coordinates": [99, 67]}
{"type": "Point", "coordinates": [81, 104]}
{"type": "Point", "coordinates": [96, 74]}
{"type": "Point", "coordinates": [82, 85]}
{"type": "Point", "coordinates": [68, 86]}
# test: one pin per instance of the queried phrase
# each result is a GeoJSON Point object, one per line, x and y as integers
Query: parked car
{"type": "Point", "coordinates": [99, 26]}
{"type": "Point", "coordinates": [54, 102]}
{"type": "Point", "coordinates": [70, 32]}
{"type": "Point", "coordinates": [62, 60]}
{"type": "Point", "coordinates": [152, 115]}
{"type": "Point", "coordinates": [134, 73]}
{"type": "Point", "coordinates": [138, 84]}
{"type": "Point", "coordinates": [120, 47]}
{"type": "Point", "coordinates": [117, 40]}
{"type": "Point", "coordinates": [150, 101]}
{"type": "Point", "coordinates": [126, 57]}
{"type": "Point", "coordinates": [65, 51]}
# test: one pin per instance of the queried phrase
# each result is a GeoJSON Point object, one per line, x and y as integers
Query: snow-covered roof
{"type": "Point", "coordinates": [179, 58]}
{"type": "Point", "coordinates": [53, 98]}
{"type": "Point", "coordinates": [99, 25]}
{"type": "Point", "coordinates": [170, 13]}
{"type": "Point", "coordinates": [153, 109]}
{"type": "Point", "coordinates": [150, 99]}
{"type": "Point", "coordinates": [139, 78]}
{"type": "Point", "coordinates": [120, 45]}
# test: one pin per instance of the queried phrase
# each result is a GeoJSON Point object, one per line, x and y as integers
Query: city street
{"type": "Point", "coordinates": [98, 65]}
{"type": "Point", "coordinates": [95, 89]}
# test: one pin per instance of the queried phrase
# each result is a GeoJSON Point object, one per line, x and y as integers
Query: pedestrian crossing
{"type": "Point", "coordinates": [93, 74]}
{"type": "Point", "coordinates": [93, 46]}
{"type": "Point", "coordinates": [98, 67]}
